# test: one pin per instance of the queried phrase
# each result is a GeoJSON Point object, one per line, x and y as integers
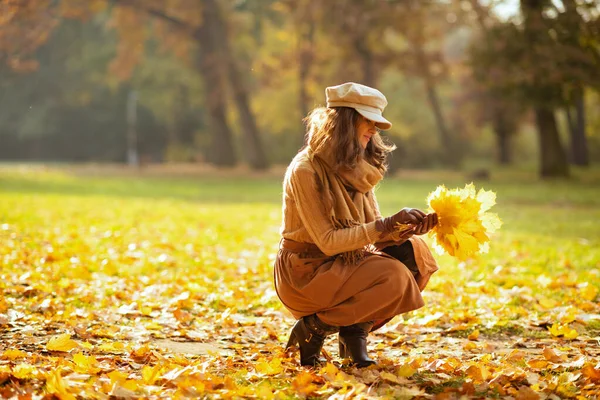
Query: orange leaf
{"type": "Point", "coordinates": [474, 335]}
{"type": "Point", "coordinates": [469, 346]}
{"type": "Point", "coordinates": [303, 383]}
{"type": "Point", "coordinates": [552, 356]}
{"type": "Point", "coordinates": [526, 393]}
{"type": "Point", "coordinates": [591, 372]}
{"type": "Point", "coordinates": [477, 373]}
{"type": "Point", "coordinates": [537, 363]}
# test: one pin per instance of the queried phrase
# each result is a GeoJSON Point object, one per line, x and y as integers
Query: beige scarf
{"type": "Point", "coordinates": [346, 208]}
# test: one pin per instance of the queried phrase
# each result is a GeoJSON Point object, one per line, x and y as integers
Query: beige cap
{"type": "Point", "coordinates": [367, 101]}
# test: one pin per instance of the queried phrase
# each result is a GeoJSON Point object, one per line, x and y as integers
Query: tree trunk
{"type": "Point", "coordinates": [501, 119]}
{"type": "Point", "coordinates": [450, 156]}
{"type": "Point", "coordinates": [210, 66]}
{"type": "Point", "coordinates": [552, 155]}
{"type": "Point", "coordinates": [252, 143]}
{"type": "Point", "coordinates": [579, 149]}
{"type": "Point", "coordinates": [253, 148]}
{"type": "Point", "coordinates": [503, 136]}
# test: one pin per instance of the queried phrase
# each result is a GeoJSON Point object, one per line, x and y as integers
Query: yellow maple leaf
{"type": "Point", "coordinates": [85, 364]}
{"type": "Point", "coordinates": [24, 371]}
{"type": "Point", "coordinates": [116, 376]}
{"type": "Point", "coordinates": [469, 346]}
{"type": "Point", "coordinates": [61, 343]}
{"type": "Point", "coordinates": [272, 367]}
{"type": "Point", "coordinates": [563, 330]}
{"type": "Point", "coordinates": [474, 335]}
{"type": "Point", "coordinates": [56, 385]}
{"type": "Point", "coordinates": [303, 383]}
{"type": "Point", "coordinates": [13, 354]}
{"type": "Point", "coordinates": [150, 374]}
{"type": "Point", "coordinates": [588, 292]}
{"type": "Point", "coordinates": [329, 370]}
{"type": "Point", "coordinates": [406, 371]}
{"type": "Point", "coordinates": [387, 376]}
{"type": "Point", "coordinates": [464, 223]}
{"type": "Point", "coordinates": [112, 347]}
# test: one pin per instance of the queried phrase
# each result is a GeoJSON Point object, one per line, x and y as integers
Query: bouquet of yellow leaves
{"type": "Point", "coordinates": [464, 223]}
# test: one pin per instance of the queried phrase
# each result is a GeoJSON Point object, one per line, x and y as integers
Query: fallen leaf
{"type": "Point", "coordinates": [552, 356]}
{"type": "Point", "coordinates": [537, 363]}
{"type": "Point", "coordinates": [24, 371]}
{"type": "Point", "coordinates": [406, 371]}
{"type": "Point", "coordinates": [474, 335]}
{"type": "Point", "coordinates": [85, 364]}
{"type": "Point", "coordinates": [526, 393]}
{"type": "Point", "coordinates": [266, 367]}
{"type": "Point", "coordinates": [13, 354]}
{"type": "Point", "coordinates": [477, 373]}
{"type": "Point", "coordinates": [591, 372]}
{"type": "Point", "coordinates": [55, 385]}
{"type": "Point", "coordinates": [61, 343]}
{"type": "Point", "coordinates": [303, 383]}
{"type": "Point", "coordinates": [470, 346]}
{"type": "Point", "coordinates": [563, 330]}
{"type": "Point", "coordinates": [150, 374]}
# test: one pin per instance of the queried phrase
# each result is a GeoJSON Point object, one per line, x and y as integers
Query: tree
{"type": "Point", "coordinates": [203, 24]}
{"type": "Point", "coordinates": [218, 67]}
{"type": "Point", "coordinates": [577, 30]}
{"type": "Point", "coordinates": [498, 107]}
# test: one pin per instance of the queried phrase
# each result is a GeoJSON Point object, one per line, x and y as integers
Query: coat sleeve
{"type": "Point", "coordinates": [330, 240]}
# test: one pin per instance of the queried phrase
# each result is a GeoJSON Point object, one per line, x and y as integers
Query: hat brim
{"type": "Point", "coordinates": [380, 122]}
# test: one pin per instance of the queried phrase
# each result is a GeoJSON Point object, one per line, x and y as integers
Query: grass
{"type": "Point", "coordinates": [92, 244]}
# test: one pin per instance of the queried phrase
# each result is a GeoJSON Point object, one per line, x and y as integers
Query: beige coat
{"type": "Point", "coordinates": [377, 288]}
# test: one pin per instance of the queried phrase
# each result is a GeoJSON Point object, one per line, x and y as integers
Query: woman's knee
{"type": "Point", "coordinates": [397, 276]}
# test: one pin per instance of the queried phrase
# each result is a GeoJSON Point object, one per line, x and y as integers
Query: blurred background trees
{"type": "Point", "coordinates": [470, 83]}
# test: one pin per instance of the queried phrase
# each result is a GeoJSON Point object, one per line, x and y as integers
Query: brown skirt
{"type": "Point", "coordinates": [375, 289]}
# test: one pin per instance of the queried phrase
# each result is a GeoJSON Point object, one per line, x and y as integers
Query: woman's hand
{"type": "Point", "coordinates": [406, 216]}
{"type": "Point", "coordinates": [426, 224]}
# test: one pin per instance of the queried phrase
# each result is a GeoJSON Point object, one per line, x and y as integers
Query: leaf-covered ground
{"type": "Point", "coordinates": [161, 286]}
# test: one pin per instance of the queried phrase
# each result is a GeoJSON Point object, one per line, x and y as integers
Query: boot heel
{"type": "Point", "coordinates": [343, 350]}
{"type": "Point", "coordinates": [293, 341]}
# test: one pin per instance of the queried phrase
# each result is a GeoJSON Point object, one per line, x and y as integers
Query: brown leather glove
{"type": "Point", "coordinates": [410, 216]}
{"type": "Point", "coordinates": [427, 224]}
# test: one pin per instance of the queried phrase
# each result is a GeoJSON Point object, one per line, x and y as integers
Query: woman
{"type": "Point", "coordinates": [341, 266]}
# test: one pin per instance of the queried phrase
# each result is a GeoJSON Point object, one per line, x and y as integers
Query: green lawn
{"type": "Point", "coordinates": [133, 258]}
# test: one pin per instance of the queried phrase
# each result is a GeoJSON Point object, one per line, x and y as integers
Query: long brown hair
{"type": "Point", "coordinates": [336, 127]}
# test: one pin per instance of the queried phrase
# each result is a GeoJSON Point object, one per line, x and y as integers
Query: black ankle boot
{"type": "Point", "coordinates": [353, 343]}
{"type": "Point", "coordinates": [308, 334]}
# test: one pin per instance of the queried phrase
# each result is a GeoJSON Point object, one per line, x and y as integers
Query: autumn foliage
{"type": "Point", "coordinates": [148, 287]}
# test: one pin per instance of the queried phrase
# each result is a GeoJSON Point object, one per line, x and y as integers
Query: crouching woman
{"type": "Point", "coordinates": [341, 266]}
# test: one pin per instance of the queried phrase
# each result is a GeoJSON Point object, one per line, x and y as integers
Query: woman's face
{"type": "Point", "coordinates": [365, 129]}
